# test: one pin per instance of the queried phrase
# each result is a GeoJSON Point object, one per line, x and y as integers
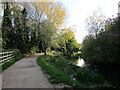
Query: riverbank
{"type": "Point", "coordinates": [62, 71]}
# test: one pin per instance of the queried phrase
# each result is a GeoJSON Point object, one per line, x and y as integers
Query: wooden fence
{"type": "Point", "coordinates": [6, 56]}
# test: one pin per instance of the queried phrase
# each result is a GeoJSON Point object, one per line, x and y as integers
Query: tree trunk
{"type": "Point", "coordinates": [45, 52]}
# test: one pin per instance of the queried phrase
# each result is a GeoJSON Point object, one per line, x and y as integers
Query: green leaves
{"type": "Point", "coordinates": [102, 48]}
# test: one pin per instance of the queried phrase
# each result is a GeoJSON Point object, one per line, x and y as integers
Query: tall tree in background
{"type": "Point", "coordinates": [21, 32]}
{"type": "Point", "coordinates": [6, 23]}
{"type": "Point", "coordinates": [32, 25]}
{"type": "Point", "coordinates": [14, 26]}
{"type": "Point", "coordinates": [47, 33]}
{"type": "Point", "coordinates": [95, 22]}
{"type": "Point", "coordinates": [49, 17]}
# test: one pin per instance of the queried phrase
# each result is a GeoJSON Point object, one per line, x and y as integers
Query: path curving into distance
{"type": "Point", "coordinates": [25, 74]}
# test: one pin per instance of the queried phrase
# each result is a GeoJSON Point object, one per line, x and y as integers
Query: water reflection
{"type": "Point", "coordinates": [80, 62]}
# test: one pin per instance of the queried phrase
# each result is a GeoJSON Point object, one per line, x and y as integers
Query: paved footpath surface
{"type": "Point", "coordinates": [25, 74]}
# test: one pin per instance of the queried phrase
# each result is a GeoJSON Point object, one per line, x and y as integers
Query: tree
{"type": "Point", "coordinates": [102, 52]}
{"type": "Point", "coordinates": [63, 36]}
{"type": "Point", "coordinates": [47, 32]}
{"type": "Point", "coordinates": [15, 28]}
{"type": "Point", "coordinates": [1, 18]}
{"type": "Point", "coordinates": [95, 22]}
{"type": "Point", "coordinates": [6, 24]}
{"type": "Point", "coordinates": [65, 42]}
{"type": "Point", "coordinates": [49, 13]}
{"type": "Point", "coordinates": [32, 25]}
{"type": "Point", "coordinates": [101, 49]}
{"type": "Point", "coordinates": [53, 11]}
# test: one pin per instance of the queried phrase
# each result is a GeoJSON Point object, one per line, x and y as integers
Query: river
{"type": "Point", "coordinates": [80, 62]}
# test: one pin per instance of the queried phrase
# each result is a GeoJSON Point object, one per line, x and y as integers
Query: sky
{"type": "Point", "coordinates": [79, 10]}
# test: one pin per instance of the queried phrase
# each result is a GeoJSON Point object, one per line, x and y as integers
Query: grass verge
{"type": "Point", "coordinates": [61, 70]}
{"type": "Point", "coordinates": [56, 75]}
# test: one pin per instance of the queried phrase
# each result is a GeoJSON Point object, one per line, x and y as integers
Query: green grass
{"type": "Point", "coordinates": [63, 71]}
{"type": "Point", "coordinates": [54, 54]}
{"type": "Point", "coordinates": [56, 75]}
{"type": "Point", "coordinates": [51, 54]}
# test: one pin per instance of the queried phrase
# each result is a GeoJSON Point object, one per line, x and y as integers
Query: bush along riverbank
{"type": "Point", "coordinates": [61, 70]}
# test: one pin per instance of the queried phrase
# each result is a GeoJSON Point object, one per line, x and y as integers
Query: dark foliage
{"type": "Point", "coordinates": [102, 52]}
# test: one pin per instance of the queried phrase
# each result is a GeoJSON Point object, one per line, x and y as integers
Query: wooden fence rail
{"type": "Point", "coordinates": [6, 56]}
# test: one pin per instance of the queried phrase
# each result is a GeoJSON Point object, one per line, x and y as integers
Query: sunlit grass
{"type": "Point", "coordinates": [38, 53]}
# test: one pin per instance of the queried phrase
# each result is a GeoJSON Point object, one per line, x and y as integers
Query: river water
{"type": "Point", "coordinates": [80, 62]}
